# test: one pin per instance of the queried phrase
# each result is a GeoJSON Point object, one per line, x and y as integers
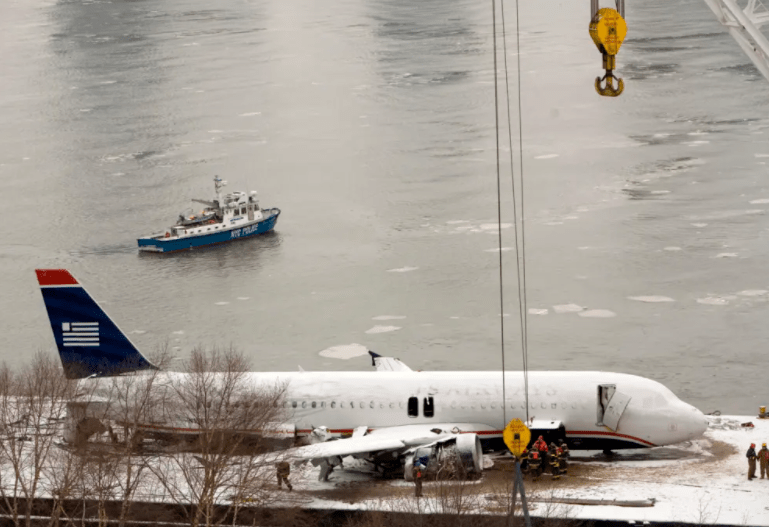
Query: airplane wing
{"type": "Point", "coordinates": [387, 363]}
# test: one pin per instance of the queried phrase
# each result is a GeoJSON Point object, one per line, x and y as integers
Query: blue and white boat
{"type": "Point", "coordinates": [230, 217]}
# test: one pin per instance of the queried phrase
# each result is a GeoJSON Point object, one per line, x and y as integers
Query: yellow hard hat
{"type": "Point", "coordinates": [763, 444]}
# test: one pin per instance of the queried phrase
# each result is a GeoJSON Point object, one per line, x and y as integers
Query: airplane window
{"type": "Point", "coordinates": [304, 404]}
{"type": "Point", "coordinates": [428, 407]}
{"type": "Point", "coordinates": [352, 405]}
{"type": "Point", "coordinates": [381, 405]}
{"type": "Point", "coordinates": [483, 405]}
{"type": "Point", "coordinates": [413, 407]}
{"type": "Point", "coordinates": [493, 405]}
{"type": "Point", "coordinates": [313, 404]}
{"type": "Point", "coordinates": [544, 406]}
{"type": "Point", "coordinates": [564, 405]}
{"type": "Point", "coordinates": [554, 406]}
{"type": "Point", "coordinates": [341, 404]}
{"type": "Point", "coordinates": [372, 405]}
{"type": "Point", "coordinates": [322, 404]}
{"type": "Point", "coordinates": [293, 403]}
{"type": "Point", "coordinates": [333, 404]}
{"type": "Point", "coordinates": [362, 404]}
{"type": "Point", "coordinates": [392, 405]}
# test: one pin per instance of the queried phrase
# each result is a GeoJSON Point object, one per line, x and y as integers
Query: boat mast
{"type": "Point", "coordinates": [218, 184]}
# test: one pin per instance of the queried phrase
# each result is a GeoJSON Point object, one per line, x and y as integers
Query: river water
{"type": "Point", "coordinates": [371, 125]}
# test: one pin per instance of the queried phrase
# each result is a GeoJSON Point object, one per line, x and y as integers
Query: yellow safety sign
{"type": "Point", "coordinates": [516, 436]}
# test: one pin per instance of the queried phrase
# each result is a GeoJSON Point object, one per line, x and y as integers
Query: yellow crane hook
{"type": "Point", "coordinates": [608, 29]}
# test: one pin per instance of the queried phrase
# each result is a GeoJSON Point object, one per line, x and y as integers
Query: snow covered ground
{"type": "Point", "coordinates": [699, 482]}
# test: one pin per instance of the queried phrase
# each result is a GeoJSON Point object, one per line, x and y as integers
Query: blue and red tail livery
{"type": "Point", "coordinates": [89, 342]}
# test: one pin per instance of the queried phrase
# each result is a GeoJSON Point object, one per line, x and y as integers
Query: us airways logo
{"type": "Point", "coordinates": [80, 333]}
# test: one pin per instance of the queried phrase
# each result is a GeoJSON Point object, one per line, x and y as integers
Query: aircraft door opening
{"type": "Point", "coordinates": [413, 407]}
{"type": "Point", "coordinates": [611, 406]}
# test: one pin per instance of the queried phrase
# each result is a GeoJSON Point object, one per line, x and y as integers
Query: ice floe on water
{"type": "Point", "coordinates": [535, 311]}
{"type": "Point", "coordinates": [568, 308]}
{"type": "Point", "coordinates": [726, 255]}
{"type": "Point", "coordinates": [497, 249]}
{"type": "Point", "coordinates": [388, 317]}
{"type": "Point", "coordinates": [495, 226]}
{"type": "Point", "coordinates": [382, 329]}
{"type": "Point", "coordinates": [402, 269]}
{"type": "Point", "coordinates": [221, 303]}
{"type": "Point", "coordinates": [456, 222]}
{"type": "Point", "coordinates": [713, 301]}
{"type": "Point", "coordinates": [180, 332]}
{"type": "Point", "coordinates": [250, 114]}
{"type": "Point", "coordinates": [138, 332]}
{"type": "Point", "coordinates": [753, 292]}
{"type": "Point", "coordinates": [344, 351]}
{"type": "Point", "coordinates": [597, 313]}
{"type": "Point", "coordinates": [699, 225]}
{"type": "Point", "coordinates": [762, 201]}
{"type": "Point", "coordinates": [547, 156]}
{"type": "Point", "coordinates": [762, 155]}
{"type": "Point", "coordinates": [243, 297]}
{"type": "Point", "coordinates": [652, 298]}
{"type": "Point", "coordinates": [672, 248]}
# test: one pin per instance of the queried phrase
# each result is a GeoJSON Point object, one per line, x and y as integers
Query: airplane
{"type": "Point", "coordinates": [394, 414]}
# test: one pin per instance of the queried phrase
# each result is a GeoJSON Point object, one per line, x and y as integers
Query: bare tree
{"type": "Point", "coordinates": [225, 417]}
{"type": "Point", "coordinates": [32, 406]}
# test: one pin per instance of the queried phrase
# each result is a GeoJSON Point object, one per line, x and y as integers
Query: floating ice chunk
{"type": "Point", "coordinates": [713, 301]}
{"type": "Point", "coordinates": [699, 225]}
{"type": "Point", "coordinates": [753, 292]}
{"type": "Point", "coordinates": [597, 313]}
{"type": "Point", "coordinates": [652, 298]}
{"type": "Point", "coordinates": [554, 223]}
{"type": "Point", "coordinates": [568, 308]}
{"type": "Point", "coordinates": [535, 311]}
{"type": "Point", "coordinates": [672, 248]}
{"type": "Point", "coordinates": [454, 318]}
{"type": "Point", "coordinates": [180, 332]}
{"type": "Point", "coordinates": [726, 255]}
{"type": "Point", "coordinates": [382, 329]}
{"type": "Point", "coordinates": [138, 332]}
{"type": "Point", "coordinates": [763, 201]}
{"type": "Point", "coordinates": [497, 249]}
{"type": "Point", "coordinates": [344, 351]}
{"type": "Point", "coordinates": [659, 192]}
{"type": "Point", "coordinates": [402, 269]}
{"type": "Point", "coordinates": [243, 297]}
{"type": "Point", "coordinates": [571, 217]}
{"type": "Point", "coordinates": [754, 211]}
{"type": "Point", "coordinates": [455, 222]}
{"type": "Point", "coordinates": [547, 156]}
{"type": "Point", "coordinates": [388, 317]}
{"type": "Point", "coordinates": [762, 155]}
{"type": "Point", "coordinates": [495, 226]}
{"type": "Point", "coordinates": [696, 143]}
{"type": "Point", "coordinates": [221, 303]}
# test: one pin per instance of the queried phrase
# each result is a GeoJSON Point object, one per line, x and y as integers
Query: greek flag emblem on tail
{"type": "Point", "coordinates": [89, 342]}
{"type": "Point", "coordinates": [80, 333]}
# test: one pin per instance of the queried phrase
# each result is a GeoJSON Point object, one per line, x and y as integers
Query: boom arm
{"type": "Point", "coordinates": [744, 25]}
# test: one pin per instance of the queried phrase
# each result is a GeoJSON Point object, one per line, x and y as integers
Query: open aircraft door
{"type": "Point", "coordinates": [611, 406]}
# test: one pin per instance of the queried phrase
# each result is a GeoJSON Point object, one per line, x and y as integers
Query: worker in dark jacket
{"type": "Point", "coordinates": [763, 460]}
{"type": "Point", "coordinates": [284, 470]}
{"type": "Point", "coordinates": [418, 472]}
{"type": "Point", "coordinates": [751, 455]}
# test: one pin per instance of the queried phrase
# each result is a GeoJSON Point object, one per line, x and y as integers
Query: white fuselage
{"type": "Point", "coordinates": [343, 401]}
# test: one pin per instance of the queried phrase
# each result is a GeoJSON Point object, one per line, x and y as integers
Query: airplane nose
{"type": "Point", "coordinates": [696, 423]}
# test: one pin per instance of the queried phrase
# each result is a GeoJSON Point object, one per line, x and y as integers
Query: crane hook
{"type": "Point", "coordinates": [608, 30]}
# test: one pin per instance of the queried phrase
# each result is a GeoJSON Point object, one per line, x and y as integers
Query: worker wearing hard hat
{"type": "Point", "coordinates": [763, 460]}
{"type": "Point", "coordinates": [751, 455]}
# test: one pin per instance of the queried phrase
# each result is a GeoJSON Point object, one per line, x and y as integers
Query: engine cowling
{"type": "Point", "coordinates": [458, 457]}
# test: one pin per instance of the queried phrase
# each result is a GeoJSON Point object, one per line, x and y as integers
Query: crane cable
{"type": "Point", "coordinates": [520, 246]}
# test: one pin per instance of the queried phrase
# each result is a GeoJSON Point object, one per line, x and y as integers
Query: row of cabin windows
{"type": "Point", "coordinates": [243, 210]}
{"type": "Point", "coordinates": [428, 405]}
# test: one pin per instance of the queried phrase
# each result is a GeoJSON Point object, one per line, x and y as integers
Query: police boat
{"type": "Point", "coordinates": [234, 216]}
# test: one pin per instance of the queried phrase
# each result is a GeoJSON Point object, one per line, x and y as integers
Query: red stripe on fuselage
{"type": "Point", "coordinates": [55, 277]}
{"type": "Point", "coordinates": [611, 434]}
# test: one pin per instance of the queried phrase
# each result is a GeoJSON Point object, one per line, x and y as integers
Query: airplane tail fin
{"type": "Point", "coordinates": [89, 343]}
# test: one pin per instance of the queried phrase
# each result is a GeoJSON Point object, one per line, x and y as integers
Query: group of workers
{"type": "Point", "coordinates": [542, 456]}
{"type": "Point", "coordinates": [763, 460]}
